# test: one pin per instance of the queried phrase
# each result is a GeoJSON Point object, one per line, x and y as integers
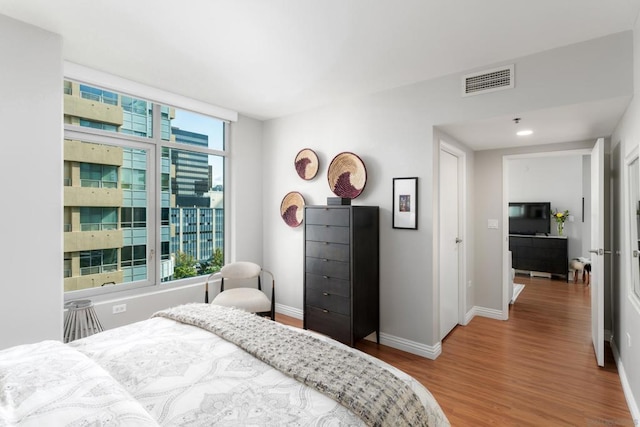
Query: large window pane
{"type": "Point", "coordinates": [195, 213]}
{"type": "Point", "coordinates": [110, 225]}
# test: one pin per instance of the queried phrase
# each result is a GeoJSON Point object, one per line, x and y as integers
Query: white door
{"type": "Point", "coordinates": [450, 241]}
{"type": "Point", "coordinates": [597, 250]}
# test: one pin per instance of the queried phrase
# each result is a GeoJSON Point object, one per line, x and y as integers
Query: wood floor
{"type": "Point", "coordinates": [536, 369]}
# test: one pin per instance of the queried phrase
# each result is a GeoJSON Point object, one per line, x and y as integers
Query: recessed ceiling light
{"type": "Point", "coordinates": [524, 132]}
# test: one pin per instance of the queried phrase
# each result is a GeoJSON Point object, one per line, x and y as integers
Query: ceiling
{"type": "Point", "coordinates": [271, 58]}
{"type": "Point", "coordinates": [579, 122]}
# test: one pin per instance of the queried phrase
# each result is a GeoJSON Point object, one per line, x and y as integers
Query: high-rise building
{"type": "Point", "coordinates": [192, 215]}
{"type": "Point", "coordinates": [192, 179]}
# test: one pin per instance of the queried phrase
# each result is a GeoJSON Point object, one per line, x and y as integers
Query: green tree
{"type": "Point", "coordinates": [213, 264]}
{"type": "Point", "coordinates": [185, 266]}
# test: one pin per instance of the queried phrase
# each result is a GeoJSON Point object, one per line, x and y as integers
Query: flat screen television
{"type": "Point", "coordinates": [530, 218]}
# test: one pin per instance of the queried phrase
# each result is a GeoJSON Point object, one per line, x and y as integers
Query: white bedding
{"type": "Point", "coordinates": [183, 375]}
{"type": "Point", "coordinates": [50, 384]}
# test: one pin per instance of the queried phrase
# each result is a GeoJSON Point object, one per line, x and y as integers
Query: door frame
{"type": "Point", "coordinates": [505, 214]}
{"type": "Point", "coordinates": [462, 227]}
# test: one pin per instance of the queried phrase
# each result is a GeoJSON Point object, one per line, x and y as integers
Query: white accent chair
{"type": "Point", "coordinates": [250, 299]}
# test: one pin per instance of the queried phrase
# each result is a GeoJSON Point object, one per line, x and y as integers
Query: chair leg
{"type": "Point", "coordinates": [273, 303]}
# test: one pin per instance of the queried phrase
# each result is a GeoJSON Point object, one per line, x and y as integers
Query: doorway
{"type": "Point", "coordinates": [560, 183]}
{"type": "Point", "coordinates": [560, 178]}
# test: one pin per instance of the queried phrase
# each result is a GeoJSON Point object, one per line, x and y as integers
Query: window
{"type": "Point", "coordinates": [96, 94]}
{"type": "Point", "coordinates": [99, 176]}
{"type": "Point", "coordinates": [98, 125]}
{"type": "Point", "coordinates": [130, 195]}
{"type": "Point", "coordinates": [100, 261]}
{"type": "Point", "coordinates": [133, 217]}
{"type": "Point", "coordinates": [96, 219]}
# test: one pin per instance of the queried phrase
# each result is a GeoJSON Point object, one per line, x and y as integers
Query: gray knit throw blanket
{"type": "Point", "coordinates": [373, 393]}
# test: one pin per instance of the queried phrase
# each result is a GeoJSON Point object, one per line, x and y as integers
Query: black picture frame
{"type": "Point", "coordinates": [405, 203]}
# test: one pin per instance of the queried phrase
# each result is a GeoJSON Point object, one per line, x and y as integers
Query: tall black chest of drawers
{"type": "Point", "coordinates": [341, 273]}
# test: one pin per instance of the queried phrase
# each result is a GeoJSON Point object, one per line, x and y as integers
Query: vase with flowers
{"type": "Point", "coordinates": [560, 217]}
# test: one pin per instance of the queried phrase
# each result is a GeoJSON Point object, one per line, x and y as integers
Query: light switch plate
{"type": "Point", "coordinates": [492, 224]}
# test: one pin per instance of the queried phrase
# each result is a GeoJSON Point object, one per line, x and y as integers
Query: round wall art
{"type": "Point", "coordinates": [292, 209]}
{"type": "Point", "coordinates": [347, 175]}
{"type": "Point", "coordinates": [306, 163]}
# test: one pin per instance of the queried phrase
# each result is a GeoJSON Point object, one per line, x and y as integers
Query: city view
{"type": "Point", "coordinates": [151, 183]}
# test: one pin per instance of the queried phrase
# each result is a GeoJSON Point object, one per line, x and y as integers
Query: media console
{"type": "Point", "coordinates": [547, 254]}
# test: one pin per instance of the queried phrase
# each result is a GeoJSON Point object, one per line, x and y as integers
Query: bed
{"type": "Point", "coordinates": [203, 365]}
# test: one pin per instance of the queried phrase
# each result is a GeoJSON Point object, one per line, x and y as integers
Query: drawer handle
{"type": "Point", "coordinates": [325, 260]}
{"type": "Point", "coordinates": [326, 294]}
{"type": "Point", "coordinates": [325, 311]}
{"type": "Point", "coordinates": [325, 277]}
{"type": "Point", "coordinates": [326, 243]}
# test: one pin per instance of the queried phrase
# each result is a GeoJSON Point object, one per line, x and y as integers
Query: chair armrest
{"type": "Point", "coordinates": [211, 277]}
{"type": "Point", "coordinates": [273, 281]}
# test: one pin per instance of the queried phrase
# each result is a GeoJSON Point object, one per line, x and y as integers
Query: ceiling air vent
{"type": "Point", "coordinates": [488, 81]}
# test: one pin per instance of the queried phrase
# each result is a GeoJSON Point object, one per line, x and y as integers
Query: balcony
{"type": "Point", "coordinates": [92, 280]}
{"type": "Point", "coordinates": [76, 241]}
{"type": "Point", "coordinates": [93, 109]}
{"type": "Point", "coordinates": [85, 152]}
{"type": "Point", "coordinates": [93, 197]}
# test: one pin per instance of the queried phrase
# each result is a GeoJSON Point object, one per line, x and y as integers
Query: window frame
{"type": "Point", "coordinates": [154, 147]}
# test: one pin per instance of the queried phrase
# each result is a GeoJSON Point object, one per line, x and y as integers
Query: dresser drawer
{"type": "Point", "coordinates": [328, 284]}
{"type": "Point", "coordinates": [327, 216]}
{"type": "Point", "coordinates": [328, 250]}
{"type": "Point", "coordinates": [327, 301]}
{"type": "Point", "coordinates": [327, 267]}
{"type": "Point", "coordinates": [327, 233]}
{"type": "Point", "coordinates": [334, 325]}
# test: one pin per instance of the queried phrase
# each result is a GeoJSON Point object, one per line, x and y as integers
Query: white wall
{"type": "Point", "coordinates": [31, 112]}
{"type": "Point", "coordinates": [627, 314]}
{"type": "Point", "coordinates": [393, 131]}
{"type": "Point", "coordinates": [555, 179]}
{"type": "Point", "coordinates": [626, 318]}
{"type": "Point", "coordinates": [245, 191]}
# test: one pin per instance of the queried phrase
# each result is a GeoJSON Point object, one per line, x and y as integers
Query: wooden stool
{"type": "Point", "coordinates": [581, 266]}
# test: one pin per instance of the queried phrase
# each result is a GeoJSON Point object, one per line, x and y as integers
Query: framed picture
{"type": "Point", "coordinates": [405, 203]}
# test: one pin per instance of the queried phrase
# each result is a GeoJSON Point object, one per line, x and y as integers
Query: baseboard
{"type": "Point", "coordinates": [296, 313]}
{"type": "Point", "coordinates": [469, 316]}
{"type": "Point", "coordinates": [430, 352]}
{"type": "Point", "coordinates": [626, 388]}
{"type": "Point", "coordinates": [488, 312]}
